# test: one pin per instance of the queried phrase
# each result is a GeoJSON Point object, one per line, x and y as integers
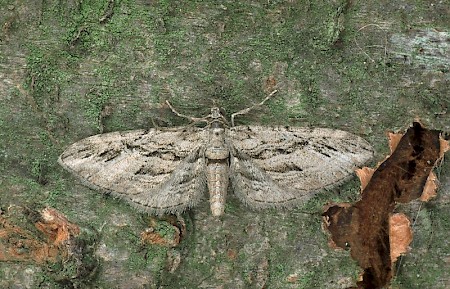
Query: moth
{"type": "Point", "coordinates": [169, 170]}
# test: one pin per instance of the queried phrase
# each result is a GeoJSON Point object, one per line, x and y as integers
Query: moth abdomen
{"type": "Point", "coordinates": [218, 179]}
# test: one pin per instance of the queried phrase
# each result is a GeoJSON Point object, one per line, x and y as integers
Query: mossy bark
{"type": "Point", "coordinates": [71, 69]}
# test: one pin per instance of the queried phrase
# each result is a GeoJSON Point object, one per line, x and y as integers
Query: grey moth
{"type": "Point", "coordinates": [169, 170]}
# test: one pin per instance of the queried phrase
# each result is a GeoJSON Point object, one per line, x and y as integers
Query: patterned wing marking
{"type": "Point", "coordinates": [156, 171]}
{"type": "Point", "coordinates": [281, 166]}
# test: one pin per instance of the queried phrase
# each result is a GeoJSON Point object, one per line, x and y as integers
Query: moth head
{"type": "Point", "coordinates": [215, 113]}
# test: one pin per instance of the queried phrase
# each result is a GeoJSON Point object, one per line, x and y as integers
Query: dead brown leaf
{"type": "Point", "coordinates": [375, 236]}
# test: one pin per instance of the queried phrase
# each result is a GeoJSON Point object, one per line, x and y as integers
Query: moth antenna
{"type": "Point", "coordinates": [193, 119]}
{"type": "Point", "coordinates": [225, 121]}
{"type": "Point", "coordinates": [155, 125]}
{"type": "Point", "coordinates": [244, 111]}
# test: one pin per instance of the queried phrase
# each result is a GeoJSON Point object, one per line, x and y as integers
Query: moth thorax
{"type": "Point", "coordinates": [216, 149]}
{"type": "Point", "coordinates": [217, 153]}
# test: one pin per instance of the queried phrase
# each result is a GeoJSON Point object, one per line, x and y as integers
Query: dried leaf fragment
{"type": "Point", "coordinates": [400, 235]}
{"type": "Point", "coordinates": [21, 244]}
{"type": "Point", "coordinates": [374, 235]}
{"type": "Point", "coordinates": [430, 188]}
{"type": "Point", "coordinates": [394, 139]}
{"type": "Point", "coordinates": [364, 175]}
{"type": "Point", "coordinates": [56, 226]}
{"type": "Point", "coordinates": [445, 147]}
{"type": "Point", "coordinates": [292, 278]}
{"type": "Point", "coordinates": [166, 233]}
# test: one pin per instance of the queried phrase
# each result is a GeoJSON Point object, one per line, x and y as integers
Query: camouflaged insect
{"type": "Point", "coordinates": [168, 170]}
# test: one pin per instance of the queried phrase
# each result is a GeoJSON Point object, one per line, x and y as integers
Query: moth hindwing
{"type": "Point", "coordinates": [168, 170]}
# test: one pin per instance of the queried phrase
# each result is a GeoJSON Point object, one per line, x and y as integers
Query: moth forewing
{"type": "Point", "coordinates": [284, 166]}
{"type": "Point", "coordinates": [156, 171]}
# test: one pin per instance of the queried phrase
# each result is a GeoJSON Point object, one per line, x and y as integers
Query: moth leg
{"type": "Point", "coordinates": [244, 111]}
{"type": "Point", "coordinates": [193, 119]}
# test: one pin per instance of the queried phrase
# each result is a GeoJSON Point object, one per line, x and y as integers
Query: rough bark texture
{"type": "Point", "coordinates": [71, 69]}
